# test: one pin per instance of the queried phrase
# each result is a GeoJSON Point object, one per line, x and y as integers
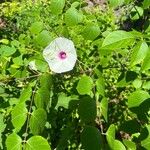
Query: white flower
{"type": "Point", "coordinates": [60, 55]}
{"type": "Point", "coordinates": [32, 65]}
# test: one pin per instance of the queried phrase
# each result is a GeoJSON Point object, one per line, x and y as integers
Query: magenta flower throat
{"type": "Point", "coordinates": [62, 55]}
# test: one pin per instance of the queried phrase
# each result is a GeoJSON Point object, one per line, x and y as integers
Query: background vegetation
{"type": "Point", "coordinates": [103, 103]}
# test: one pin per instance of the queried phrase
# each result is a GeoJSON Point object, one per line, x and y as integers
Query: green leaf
{"type": "Point", "coordinates": [137, 97]}
{"type": "Point", "coordinates": [146, 85]}
{"type": "Point", "coordinates": [25, 94]}
{"type": "Point", "coordinates": [36, 27]}
{"type": "Point", "coordinates": [87, 109]}
{"type": "Point", "coordinates": [146, 4]}
{"type": "Point", "coordinates": [19, 115]}
{"type": "Point", "coordinates": [129, 144]}
{"type": "Point", "coordinates": [137, 83]}
{"type": "Point", "coordinates": [91, 31]}
{"type": "Point", "coordinates": [100, 86]}
{"type": "Point", "coordinates": [2, 124]}
{"type": "Point", "coordinates": [117, 40]}
{"type": "Point", "coordinates": [57, 6]}
{"type": "Point", "coordinates": [104, 108]}
{"type": "Point", "coordinates": [91, 138]}
{"type": "Point", "coordinates": [64, 100]}
{"type": "Point", "coordinates": [43, 38]}
{"type": "Point", "coordinates": [6, 51]}
{"type": "Point", "coordinates": [73, 17]}
{"type": "Point", "coordinates": [37, 121]}
{"type": "Point", "coordinates": [44, 90]}
{"type": "Point", "coordinates": [37, 143]}
{"type": "Point", "coordinates": [110, 136]}
{"type": "Point", "coordinates": [115, 3]}
{"type": "Point", "coordinates": [13, 142]}
{"type": "Point", "coordinates": [139, 53]}
{"type": "Point", "coordinates": [146, 141]}
{"type": "Point", "coordinates": [146, 62]}
{"type": "Point", "coordinates": [118, 145]}
{"type": "Point", "coordinates": [85, 85]}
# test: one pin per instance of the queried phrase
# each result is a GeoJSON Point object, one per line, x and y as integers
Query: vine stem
{"type": "Point", "coordinates": [29, 114]}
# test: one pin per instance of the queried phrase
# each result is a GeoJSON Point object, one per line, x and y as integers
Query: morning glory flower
{"type": "Point", "coordinates": [60, 55]}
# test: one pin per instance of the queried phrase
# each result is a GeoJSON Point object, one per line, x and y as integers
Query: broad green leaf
{"type": "Point", "coordinates": [36, 27]}
{"type": "Point", "coordinates": [110, 136]}
{"type": "Point", "coordinates": [146, 4]}
{"type": "Point", "coordinates": [137, 83]}
{"type": "Point", "coordinates": [146, 141]}
{"type": "Point", "coordinates": [39, 103]}
{"type": "Point", "coordinates": [118, 145]}
{"type": "Point", "coordinates": [85, 85]}
{"type": "Point", "coordinates": [146, 62]}
{"type": "Point", "coordinates": [25, 94]}
{"type": "Point", "coordinates": [6, 51]}
{"type": "Point", "coordinates": [91, 138]}
{"type": "Point", "coordinates": [19, 115]}
{"type": "Point", "coordinates": [137, 97]}
{"type": "Point", "coordinates": [104, 108]}
{"type": "Point", "coordinates": [64, 100]}
{"type": "Point", "coordinates": [100, 86]}
{"type": "Point", "coordinates": [2, 124]}
{"type": "Point", "coordinates": [43, 38]}
{"type": "Point", "coordinates": [57, 6]}
{"type": "Point", "coordinates": [14, 142]}
{"type": "Point", "coordinates": [44, 90]}
{"type": "Point", "coordinates": [18, 61]}
{"type": "Point", "coordinates": [87, 109]}
{"type": "Point", "coordinates": [91, 31]}
{"type": "Point", "coordinates": [129, 144]}
{"type": "Point", "coordinates": [146, 85]}
{"type": "Point", "coordinates": [73, 17]}
{"type": "Point", "coordinates": [117, 40]}
{"type": "Point", "coordinates": [37, 143]}
{"type": "Point", "coordinates": [136, 12]}
{"type": "Point", "coordinates": [139, 53]}
{"type": "Point", "coordinates": [37, 121]}
{"type": "Point", "coordinates": [115, 3]}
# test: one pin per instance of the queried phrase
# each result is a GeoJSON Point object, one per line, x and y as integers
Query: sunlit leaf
{"type": "Point", "coordinates": [117, 40]}
{"type": "Point", "coordinates": [137, 97]}
{"type": "Point", "coordinates": [37, 143]}
{"type": "Point", "coordinates": [57, 6]}
{"type": "Point", "coordinates": [19, 115]}
{"type": "Point", "coordinates": [38, 121]}
{"type": "Point", "coordinates": [85, 85]}
{"type": "Point", "coordinates": [14, 142]}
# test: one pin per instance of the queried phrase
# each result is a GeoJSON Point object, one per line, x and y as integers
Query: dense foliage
{"type": "Point", "coordinates": [103, 103]}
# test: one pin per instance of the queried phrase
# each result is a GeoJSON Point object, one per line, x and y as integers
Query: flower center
{"type": "Point", "coordinates": [62, 55]}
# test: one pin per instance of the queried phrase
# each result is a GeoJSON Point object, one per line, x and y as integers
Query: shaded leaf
{"type": "Point", "coordinates": [91, 138]}
{"type": "Point", "coordinates": [87, 109]}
